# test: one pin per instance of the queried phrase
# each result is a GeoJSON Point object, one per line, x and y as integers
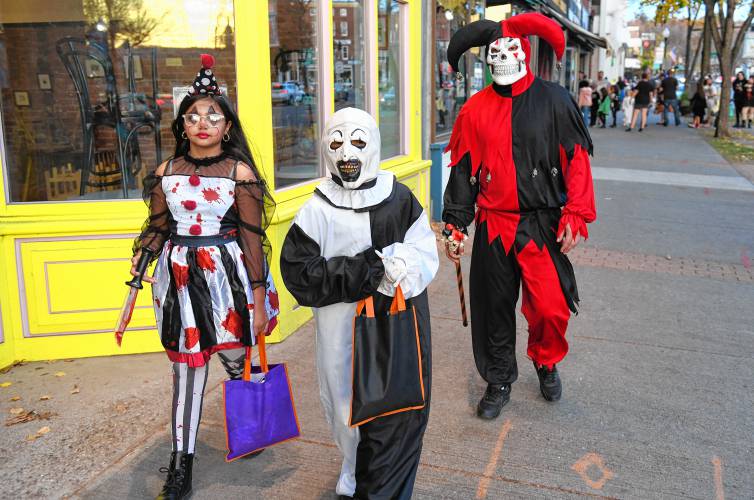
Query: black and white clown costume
{"type": "Point", "coordinates": [360, 234]}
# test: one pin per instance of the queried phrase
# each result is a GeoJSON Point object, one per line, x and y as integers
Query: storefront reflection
{"type": "Point", "coordinates": [90, 109]}
{"type": "Point", "coordinates": [294, 73]}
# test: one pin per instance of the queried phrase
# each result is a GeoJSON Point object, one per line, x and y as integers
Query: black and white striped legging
{"type": "Point", "coordinates": [188, 394]}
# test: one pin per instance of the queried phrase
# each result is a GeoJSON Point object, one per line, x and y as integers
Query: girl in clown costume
{"type": "Point", "coordinates": [209, 209]}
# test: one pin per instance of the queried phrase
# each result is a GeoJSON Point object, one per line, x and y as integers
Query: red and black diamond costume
{"type": "Point", "coordinates": [519, 152]}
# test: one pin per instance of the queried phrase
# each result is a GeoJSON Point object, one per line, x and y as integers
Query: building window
{"type": "Point", "coordinates": [99, 142]}
{"type": "Point", "coordinates": [349, 73]}
{"type": "Point", "coordinates": [343, 12]}
{"type": "Point", "coordinates": [344, 28]}
{"type": "Point", "coordinates": [390, 76]}
{"type": "Point", "coordinates": [295, 95]}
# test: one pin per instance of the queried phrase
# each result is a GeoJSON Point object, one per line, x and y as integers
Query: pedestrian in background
{"type": "Point", "coordinates": [585, 99]}
{"type": "Point", "coordinates": [642, 97]}
{"type": "Point", "coordinates": [669, 90]}
{"type": "Point", "coordinates": [713, 99]}
{"type": "Point", "coordinates": [604, 107]}
{"type": "Point", "coordinates": [739, 97]}
{"type": "Point", "coordinates": [698, 106]}
{"type": "Point", "coordinates": [595, 106]}
{"type": "Point", "coordinates": [627, 106]}
{"type": "Point", "coordinates": [747, 112]}
{"type": "Point", "coordinates": [614, 103]}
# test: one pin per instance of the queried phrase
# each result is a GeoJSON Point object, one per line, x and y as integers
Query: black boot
{"type": "Point", "coordinates": [491, 404]}
{"type": "Point", "coordinates": [178, 483]}
{"type": "Point", "coordinates": [549, 382]}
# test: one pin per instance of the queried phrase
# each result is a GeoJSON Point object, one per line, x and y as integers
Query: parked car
{"type": "Point", "coordinates": [286, 93]}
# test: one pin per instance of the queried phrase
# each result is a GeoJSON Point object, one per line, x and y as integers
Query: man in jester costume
{"type": "Point", "coordinates": [520, 154]}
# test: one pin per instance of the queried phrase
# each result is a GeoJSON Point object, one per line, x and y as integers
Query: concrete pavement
{"type": "Point", "coordinates": [657, 387]}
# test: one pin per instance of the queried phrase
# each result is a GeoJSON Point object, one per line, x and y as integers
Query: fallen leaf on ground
{"type": "Point", "coordinates": [44, 398]}
{"type": "Point", "coordinates": [43, 430]}
{"type": "Point", "coordinates": [60, 374]}
{"type": "Point", "coordinates": [75, 390]}
{"type": "Point", "coordinates": [68, 360]}
{"type": "Point", "coordinates": [16, 398]}
{"type": "Point", "coordinates": [31, 437]}
{"type": "Point", "coordinates": [6, 384]}
{"type": "Point", "coordinates": [16, 411]}
{"type": "Point", "coordinates": [29, 416]}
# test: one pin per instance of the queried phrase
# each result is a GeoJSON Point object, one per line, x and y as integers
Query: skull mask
{"type": "Point", "coordinates": [507, 60]}
{"type": "Point", "coordinates": [351, 147]}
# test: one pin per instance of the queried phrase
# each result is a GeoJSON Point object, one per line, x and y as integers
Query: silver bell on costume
{"type": "Point", "coordinates": [351, 147]}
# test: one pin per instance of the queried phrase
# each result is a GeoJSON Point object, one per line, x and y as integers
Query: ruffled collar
{"type": "Point", "coordinates": [207, 161]}
{"type": "Point", "coordinates": [358, 200]}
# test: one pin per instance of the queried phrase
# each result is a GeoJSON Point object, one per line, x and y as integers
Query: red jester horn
{"type": "Point", "coordinates": [532, 23]}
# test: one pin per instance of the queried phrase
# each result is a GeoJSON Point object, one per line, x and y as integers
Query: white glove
{"type": "Point", "coordinates": [395, 268]}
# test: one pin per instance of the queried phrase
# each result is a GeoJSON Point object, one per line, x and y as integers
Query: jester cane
{"type": "Point", "coordinates": [455, 239]}
{"type": "Point", "coordinates": [135, 285]}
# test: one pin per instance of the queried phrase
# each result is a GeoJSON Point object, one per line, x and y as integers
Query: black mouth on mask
{"type": "Point", "coordinates": [349, 170]}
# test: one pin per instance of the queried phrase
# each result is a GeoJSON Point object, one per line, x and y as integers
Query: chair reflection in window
{"type": "Point", "coordinates": [125, 114]}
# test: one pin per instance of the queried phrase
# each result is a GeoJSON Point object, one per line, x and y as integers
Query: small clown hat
{"type": "Point", "coordinates": [205, 82]}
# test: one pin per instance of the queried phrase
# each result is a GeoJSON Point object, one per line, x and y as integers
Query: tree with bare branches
{"type": "Point", "coordinates": [728, 44]}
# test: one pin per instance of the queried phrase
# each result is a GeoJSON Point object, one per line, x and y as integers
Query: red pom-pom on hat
{"type": "Point", "coordinates": [207, 61]}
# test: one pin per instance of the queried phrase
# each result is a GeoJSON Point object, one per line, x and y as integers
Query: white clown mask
{"type": "Point", "coordinates": [351, 147]}
{"type": "Point", "coordinates": [507, 60]}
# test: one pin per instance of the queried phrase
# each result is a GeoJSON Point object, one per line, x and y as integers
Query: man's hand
{"type": "Point", "coordinates": [453, 255]}
{"type": "Point", "coordinates": [567, 239]}
{"type": "Point", "coordinates": [454, 242]}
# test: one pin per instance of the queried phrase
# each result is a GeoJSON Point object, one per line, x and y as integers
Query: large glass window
{"type": "Point", "coordinates": [349, 71]}
{"type": "Point", "coordinates": [294, 72]}
{"type": "Point", "coordinates": [389, 70]}
{"type": "Point", "coordinates": [89, 90]}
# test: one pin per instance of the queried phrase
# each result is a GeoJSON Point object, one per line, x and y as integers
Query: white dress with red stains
{"type": "Point", "coordinates": [210, 262]}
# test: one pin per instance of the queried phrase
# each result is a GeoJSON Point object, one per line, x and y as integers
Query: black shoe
{"type": "Point", "coordinates": [491, 404]}
{"type": "Point", "coordinates": [641, 128]}
{"type": "Point", "coordinates": [628, 129]}
{"type": "Point", "coordinates": [549, 383]}
{"type": "Point", "coordinates": [178, 484]}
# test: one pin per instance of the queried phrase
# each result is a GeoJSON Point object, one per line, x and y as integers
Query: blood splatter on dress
{"type": "Point", "coordinates": [208, 228]}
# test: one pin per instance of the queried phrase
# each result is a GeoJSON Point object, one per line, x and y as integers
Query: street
{"type": "Point", "coordinates": [657, 387]}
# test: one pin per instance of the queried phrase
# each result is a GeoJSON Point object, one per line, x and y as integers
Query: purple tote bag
{"type": "Point", "coordinates": [258, 414]}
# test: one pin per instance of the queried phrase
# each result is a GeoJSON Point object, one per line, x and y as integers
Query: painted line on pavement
{"type": "Point", "coordinates": [734, 183]}
{"type": "Point", "coordinates": [718, 465]}
{"type": "Point", "coordinates": [489, 471]}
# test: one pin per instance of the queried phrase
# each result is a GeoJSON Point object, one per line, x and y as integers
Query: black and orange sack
{"type": "Point", "coordinates": [387, 375]}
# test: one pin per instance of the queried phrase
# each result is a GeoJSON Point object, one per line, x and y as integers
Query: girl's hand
{"type": "Point", "coordinates": [134, 263]}
{"type": "Point", "coordinates": [260, 320]}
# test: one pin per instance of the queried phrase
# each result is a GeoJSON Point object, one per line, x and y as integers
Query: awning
{"type": "Point", "coordinates": [582, 34]}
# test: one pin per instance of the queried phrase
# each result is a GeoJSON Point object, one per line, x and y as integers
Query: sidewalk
{"type": "Point", "coordinates": [657, 386]}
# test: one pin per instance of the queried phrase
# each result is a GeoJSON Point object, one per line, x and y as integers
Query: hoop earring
{"type": "Point", "coordinates": [183, 135]}
{"type": "Point", "coordinates": [226, 137]}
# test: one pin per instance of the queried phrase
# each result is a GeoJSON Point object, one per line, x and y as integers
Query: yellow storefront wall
{"type": "Point", "coordinates": [64, 264]}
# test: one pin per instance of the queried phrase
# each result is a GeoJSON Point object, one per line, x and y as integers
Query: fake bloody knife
{"type": "Point", "coordinates": [134, 287]}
